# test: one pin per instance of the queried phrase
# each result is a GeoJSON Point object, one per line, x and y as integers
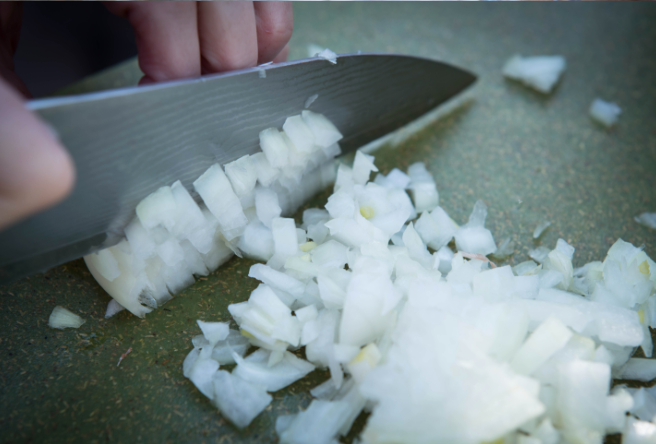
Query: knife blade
{"type": "Point", "coordinates": [128, 142]}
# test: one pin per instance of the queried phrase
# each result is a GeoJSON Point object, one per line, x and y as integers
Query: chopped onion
{"type": "Point", "coordinates": [540, 72]}
{"type": "Point", "coordinates": [310, 100]}
{"type": "Point", "coordinates": [542, 226]}
{"type": "Point", "coordinates": [524, 354]}
{"type": "Point", "coordinates": [217, 193]}
{"type": "Point", "coordinates": [647, 219]}
{"type": "Point", "coordinates": [606, 113]}
{"type": "Point", "coordinates": [255, 369]}
{"type": "Point", "coordinates": [275, 147]}
{"type": "Point", "coordinates": [362, 167]}
{"type": "Point", "coordinates": [113, 307]}
{"type": "Point", "coordinates": [242, 176]}
{"type": "Point", "coordinates": [62, 318]}
{"type": "Point", "coordinates": [639, 369]}
{"type": "Point", "coordinates": [300, 134]}
{"type": "Point", "coordinates": [328, 55]}
{"type": "Point", "coordinates": [325, 133]}
{"type": "Point", "coordinates": [238, 400]}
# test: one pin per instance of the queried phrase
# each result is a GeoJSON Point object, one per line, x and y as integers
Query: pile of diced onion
{"type": "Point", "coordinates": [438, 346]}
{"type": "Point", "coordinates": [172, 238]}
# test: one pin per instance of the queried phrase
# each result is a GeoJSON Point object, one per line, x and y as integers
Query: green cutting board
{"type": "Point", "coordinates": [530, 157]}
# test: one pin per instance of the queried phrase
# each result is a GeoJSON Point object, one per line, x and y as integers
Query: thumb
{"type": "Point", "coordinates": [36, 171]}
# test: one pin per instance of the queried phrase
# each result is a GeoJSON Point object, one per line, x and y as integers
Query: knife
{"type": "Point", "coordinates": [128, 142]}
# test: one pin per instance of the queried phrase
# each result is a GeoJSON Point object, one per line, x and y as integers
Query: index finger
{"type": "Point", "coordinates": [166, 35]}
{"type": "Point", "coordinates": [274, 23]}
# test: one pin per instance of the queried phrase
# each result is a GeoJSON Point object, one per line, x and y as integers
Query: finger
{"type": "Point", "coordinates": [227, 35]}
{"type": "Point", "coordinates": [167, 37]}
{"type": "Point", "coordinates": [35, 169]}
{"type": "Point", "coordinates": [275, 23]}
{"type": "Point", "coordinates": [282, 55]}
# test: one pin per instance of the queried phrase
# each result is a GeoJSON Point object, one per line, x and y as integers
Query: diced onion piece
{"type": "Point", "coordinates": [647, 219]}
{"type": "Point", "coordinates": [363, 165]}
{"type": "Point", "coordinates": [325, 132]}
{"type": "Point", "coordinates": [299, 133]}
{"type": "Point", "coordinates": [539, 254]}
{"type": "Point", "coordinates": [158, 208]}
{"type": "Point", "coordinates": [238, 400]}
{"type": "Point", "coordinates": [266, 205]}
{"type": "Point", "coordinates": [275, 147]}
{"type": "Point", "coordinates": [310, 100]}
{"type": "Point", "coordinates": [540, 72]}
{"type": "Point", "coordinates": [639, 432]}
{"type": "Point", "coordinates": [547, 339]}
{"type": "Point", "coordinates": [257, 241]}
{"type": "Point", "coordinates": [242, 176]}
{"type": "Point", "coordinates": [328, 55]}
{"type": "Point", "coordinates": [266, 174]}
{"type": "Point", "coordinates": [141, 242]}
{"type": "Point", "coordinates": [364, 362]}
{"type": "Point", "coordinates": [505, 249]}
{"type": "Point", "coordinates": [223, 352]}
{"type": "Point", "coordinates": [285, 241]}
{"type": "Point", "coordinates": [191, 224]}
{"type": "Point", "coordinates": [113, 307]}
{"type": "Point", "coordinates": [277, 279]}
{"type": "Point", "coordinates": [217, 193]}
{"type": "Point", "coordinates": [542, 226]}
{"type": "Point", "coordinates": [422, 185]}
{"type": "Point", "coordinates": [639, 369]}
{"type": "Point", "coordinates": [214, 331]}
{"type": "Point", "coordinates": [606, 113]}
{"type": "Point", "coordinates": [106, 264]}
{"type": "Point", "coordinates": [477, 240]}
{"type": "Point", "coordinates": [255, 369]}
{"type": "Point", "coordinates": [128, 288]}
{"type": "Point", "coordinates": [62, 318]}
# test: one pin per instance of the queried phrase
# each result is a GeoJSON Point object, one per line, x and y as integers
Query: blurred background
{"type": "Point", "coordinates": [62, 42]}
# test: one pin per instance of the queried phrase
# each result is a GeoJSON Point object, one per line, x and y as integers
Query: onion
{"type": "Point", "coordinates": [266, 174]}
{"type": "Point", "coordinates": [217, 193]}
{"type": "Point", "coordinates": [158, 208]}
{"type": "Point", "coordinates": [299, 133]}
{"type": "Point", "coordinates": [638, 432]}
{"type": "Point", "coordinates": [639, 369]}
{"type": "Point", "coordinates": [255, 369]}
{"type": "Point", "coordinates": [362, 167]}
{"type": "Point", "coordinates": [325, 133]}
{"type": "Point", "coordinates": [113, 307]}
{"type": "Point", "coordinates": [310, 100]}
{"type": "Point", "coordinates": [424, 191]}
{"type": "Point", "coordinates": [328, 55]}
{"type": "Point", "coordinates": [647, 219]}
{"type": "Point", "coordinates": [542, 226]}
{"type": "Point", "coordinates": [106, 265]}
{"type": "Point", "coordinates": [242, 177]}
{"type": "Point", "coordinates": [540, 72]}
{"type": "Point", "coordinates": [238, 400]}
{"type": "Point", "coordinates": [606, 113]}
{"type": "Point", "coordinates": [62, 318]}
{"type": "Point", "coordinates": [274, 147]}
{"type": "Point", "coordinates": [523, 354]}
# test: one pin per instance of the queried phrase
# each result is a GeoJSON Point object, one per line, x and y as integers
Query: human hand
{"type": "Point", "coordinates": [174, 40]}
{"type": "Point", "coordinates": [35, 169]}
{"type": "Point", "coordinates": [187, 39]}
